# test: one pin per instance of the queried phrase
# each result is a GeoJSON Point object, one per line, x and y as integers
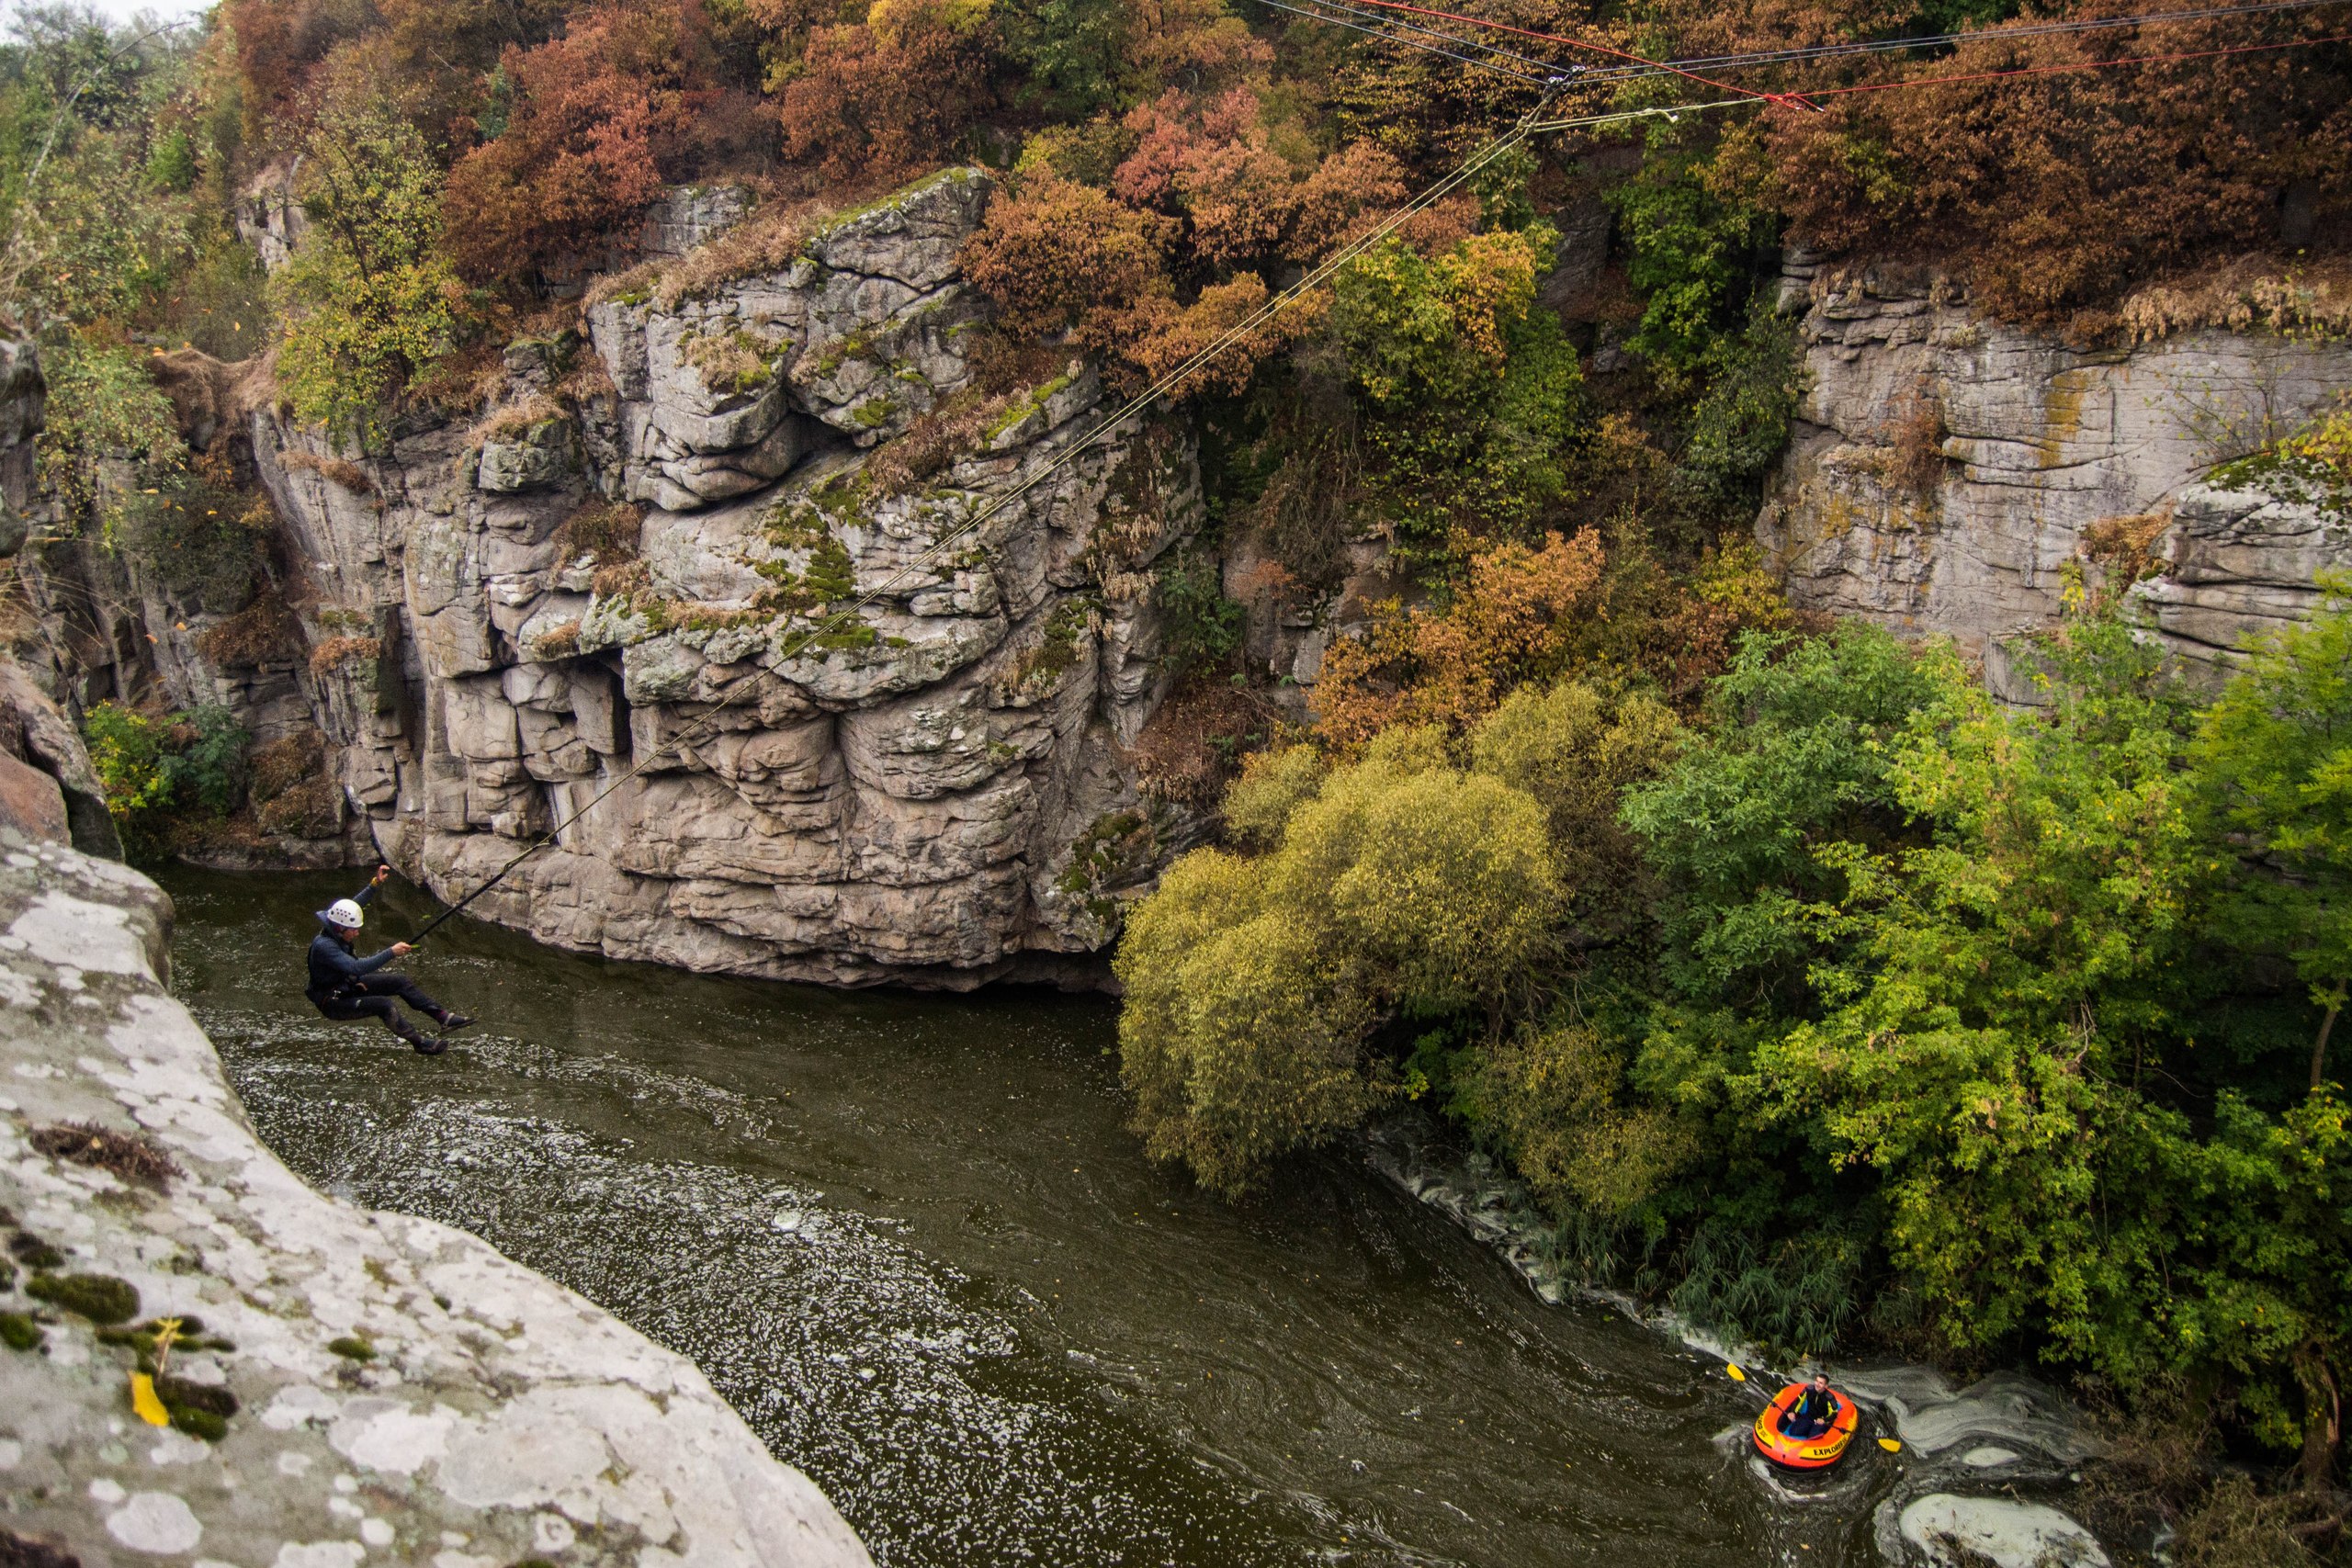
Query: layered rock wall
{"type": "Point", "coordinates": [1949, 469]}
{"type": "Point", "coordinates": [340, 1387]}
{"type": "Point", "coordinates": [599, 585]}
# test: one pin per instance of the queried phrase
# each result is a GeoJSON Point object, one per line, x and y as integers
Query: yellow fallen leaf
{"type": "Point", "coordinates": [1736, 1375]}
{"type": "Point", "coordinates": [143, 1399]}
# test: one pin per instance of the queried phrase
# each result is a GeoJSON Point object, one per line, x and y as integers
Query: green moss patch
{"type": "Point", "coordinates": [351, 1347]}
{"type": "Point", "coordinates": [20, 1333]}
{"type": "Point", "coordinates": [101, 1298]}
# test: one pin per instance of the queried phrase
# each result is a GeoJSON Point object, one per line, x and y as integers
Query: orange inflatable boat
{"type": "Point", "coordinates": [1804, 1453]}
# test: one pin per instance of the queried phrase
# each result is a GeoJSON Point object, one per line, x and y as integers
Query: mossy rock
{"type": "Point", "coordinates": [197, 1423]}
{"type": "Point", "coordinates": [351, 1347]}
{"type": "Point", "coordinates": [101, 1298]}
{"type": "Point", "coordinates": [20, 1332]}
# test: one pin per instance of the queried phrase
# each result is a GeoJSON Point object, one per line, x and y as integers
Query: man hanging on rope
{"type": "Point", "coordinates": [345, 987]}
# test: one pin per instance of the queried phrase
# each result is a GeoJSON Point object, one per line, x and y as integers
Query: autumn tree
{"type": "Point", "coordinates": [873, 102]}
{"type": "Point", "coordinates": [625, 101]}
{"type": "Point", "coordinates": [370, 299]}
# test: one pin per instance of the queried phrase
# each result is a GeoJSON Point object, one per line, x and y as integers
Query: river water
{"type": "Point", "coordinates": [910, 1238]}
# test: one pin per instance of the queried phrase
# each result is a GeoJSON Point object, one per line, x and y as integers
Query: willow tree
{"type": "Point", "coordinates": [1254, 984]}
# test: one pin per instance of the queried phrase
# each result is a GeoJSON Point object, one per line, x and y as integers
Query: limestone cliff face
{"type": "Point", "coordinates": [906, 808]}
{"type": "Point", "coordinates": [1948, 467]}
{"type": "Point", "coordinates": [347, 1386]}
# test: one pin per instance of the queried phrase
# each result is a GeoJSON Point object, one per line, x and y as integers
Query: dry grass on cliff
{"type": "Point", "coordinates": [126, 1154]}
{"type": "Point", "coordinates": [1194, 745]}
{"type": "Point", "coordinates": [337, 651]}
{"type": "Point", "coordinates": [264, 632]}
{"type": "Point", "coordinates": [2125, 549]}
{"type": "Point", "coordinates": [607, 530]}
{"type": "Point", "coordinates": [768, 241]}
{"type": "Point", "coordinates": [2294, 300]}
{"type": "Point", "coordinates": [341, 472]}
{"type": "Point", "coordinates": [1914, 444]}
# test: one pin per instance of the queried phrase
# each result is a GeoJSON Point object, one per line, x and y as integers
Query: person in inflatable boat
{"type": "Point", "coordinates": [345, 986]}
{"type": "Point", "coordinates": [1814, 1411]}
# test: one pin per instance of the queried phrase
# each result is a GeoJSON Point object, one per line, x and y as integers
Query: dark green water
{"type": "Point", "coordinates": [910, 1240]}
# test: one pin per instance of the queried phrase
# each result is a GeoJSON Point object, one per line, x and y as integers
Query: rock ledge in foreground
{"type": "Point", "coordinates": [355, 1387]}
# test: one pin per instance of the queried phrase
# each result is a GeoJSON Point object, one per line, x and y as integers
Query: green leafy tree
{"type": "Point", "coordinates": [1401, 885]}
{"type": "Point", "coordinates": [104, 407]}
{"type": "Point", "coordinates": [157, 770]}
{"type": "Point", "coordinates": [2276, 753]}
{"type": "Point", "coordinates": [1792, 760]}
{"type": "Point", "coordinates": [370, 299]}
{"type": "Point", "coordinates": [1691, 242]}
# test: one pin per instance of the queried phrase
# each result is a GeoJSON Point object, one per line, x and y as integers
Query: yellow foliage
{"type": "Point", "coordinates": [1253, 985]}
{"type": "Point", "coordinates": [1552, 1098]}
{"type": "Point", "coordinates": [1575, 749]}
{"type": "Point", "coordinates": [1272, 785]}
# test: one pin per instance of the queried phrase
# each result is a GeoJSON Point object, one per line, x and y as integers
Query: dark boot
{"type": "Point", "coordinates": [425, 1044]}
{"type": "Point", "coordinates": [453, 1021]}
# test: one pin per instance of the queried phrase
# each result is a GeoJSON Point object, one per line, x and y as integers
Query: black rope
{"type": "Point", "coordinates": [1385, 36]}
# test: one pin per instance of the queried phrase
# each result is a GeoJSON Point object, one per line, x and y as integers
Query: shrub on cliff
{"type": "Point", "coordinates": [880, 100]}
{"type": "Point", "coordinates": [155, 770]}
{"type": "Point", "coordinates": [629, 99]}
{"type": "Point", "coordinates": [370, 299]}
{"type": "Point", "coordinates": [1404, 886]}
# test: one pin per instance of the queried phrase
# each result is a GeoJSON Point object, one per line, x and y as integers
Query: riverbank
{"type": "Point", "coordinates": [345, 1385]}
{"type": "Point", "coordinates": [1985, 1470]}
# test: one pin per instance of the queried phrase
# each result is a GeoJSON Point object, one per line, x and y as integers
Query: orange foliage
{"type": "Point", "coordinates": [281, 44]}
{"type": "Point", "coordinates": [1210, 196]}
{"type": "Point", "coordinates": [887, 97]}
{"type": "Point", "coordinates": [606, 115]}
{"type": "Point", "coordinates": [1215, 161]}
{"type": "Point", "coordinates": [1157, 336]}
{"type": "Point", "coordinates": [2060, 190]}
{"type": "Point", "coordinates": [1514, 621]}
{"type": "Point", "coordinates": [1058, 253]}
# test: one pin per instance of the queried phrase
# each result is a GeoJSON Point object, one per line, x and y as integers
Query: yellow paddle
{"type": "Point", "coordinates": [143, 1398]}
{"type": "Point", "coordinates": [1731, 1367]}
{"type": "Point", "coordinates": [1890, 1445]}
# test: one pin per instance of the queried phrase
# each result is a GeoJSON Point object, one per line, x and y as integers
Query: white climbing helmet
{"type": "Point", "coordinates": [345, 913]}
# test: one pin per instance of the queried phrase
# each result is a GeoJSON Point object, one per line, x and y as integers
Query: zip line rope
{"type": "Point", "coordinates": [1937, 41]}
{"type": "Point", "coordinates": [2080, 66]}
{"type": "Point", "coordinates": [1529, 125]}
{"type": "Point", "coordinates": [1385, 36]}
{"type": "Point", "coordinates": [1548, 67]}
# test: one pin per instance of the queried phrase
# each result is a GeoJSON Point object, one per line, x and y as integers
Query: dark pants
{"type": "Point", "coordinates": [1799, 1427]}
{"type": "Point", "coordinates": [379, 995]}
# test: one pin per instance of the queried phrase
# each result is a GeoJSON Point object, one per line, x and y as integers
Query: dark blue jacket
{"type": "Point", "coordinates": [1814, 1405]}
{"type": "Point", "coordinates": [333, 966]}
